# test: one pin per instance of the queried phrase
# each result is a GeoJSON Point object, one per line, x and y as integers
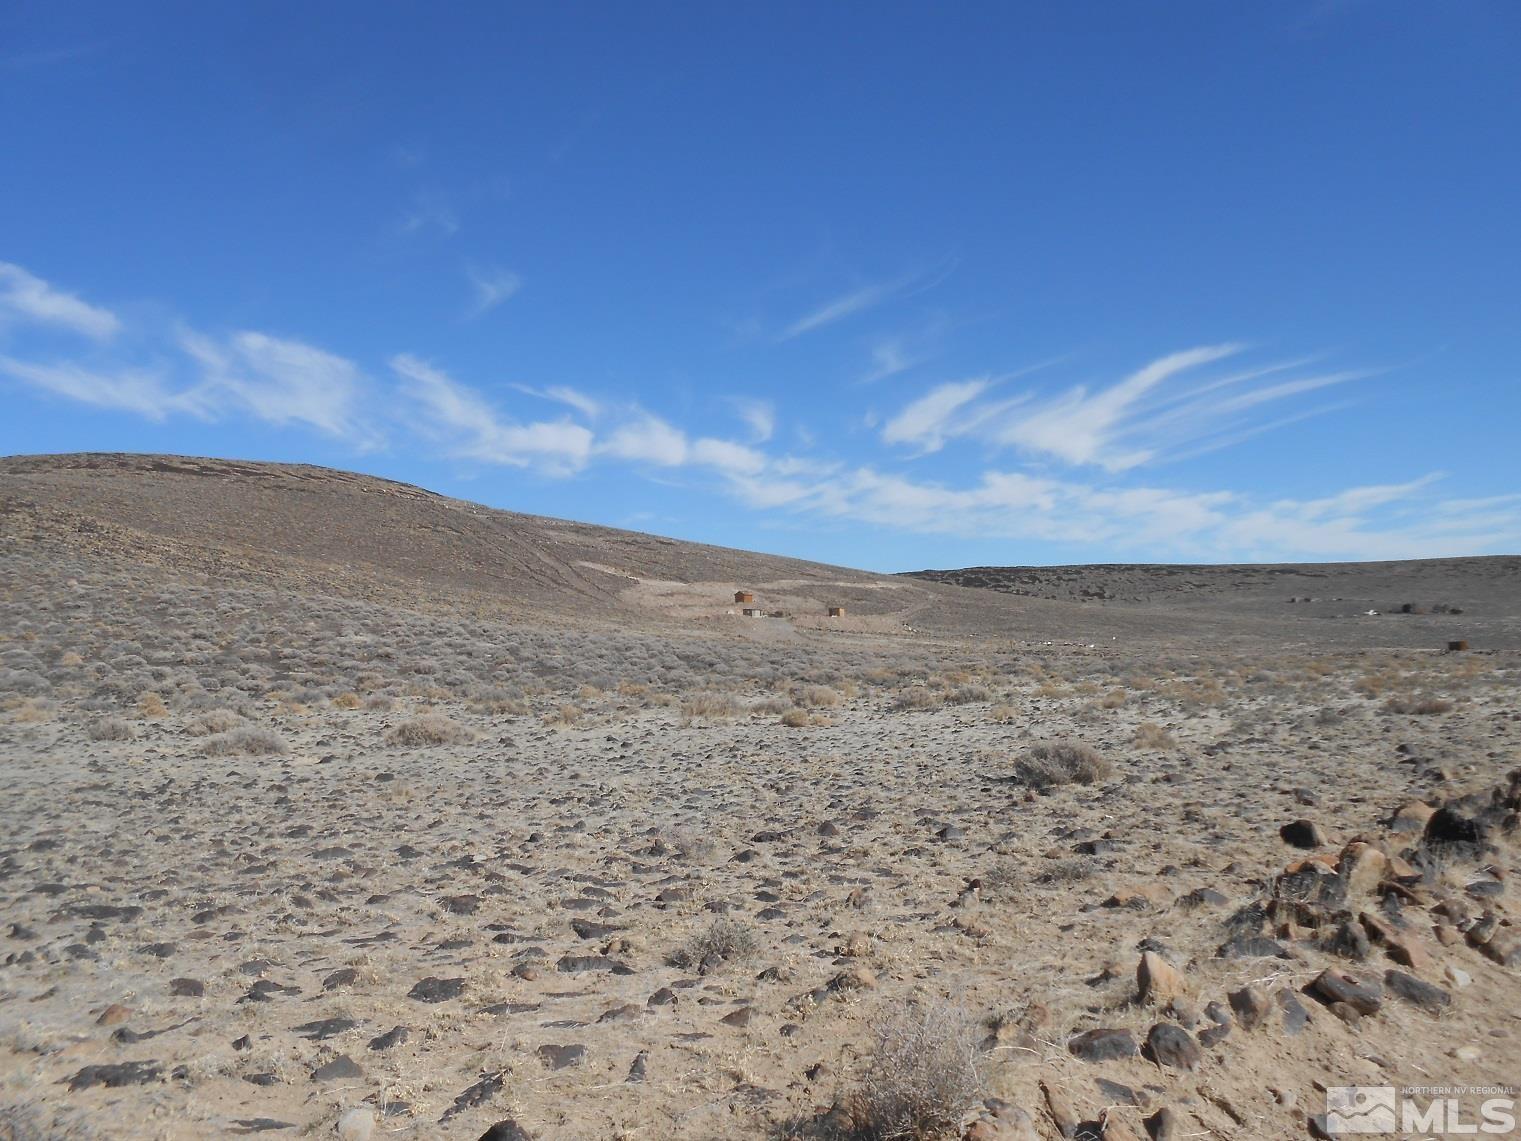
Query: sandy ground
{"type": "Point", "coordinates": [288, 849]}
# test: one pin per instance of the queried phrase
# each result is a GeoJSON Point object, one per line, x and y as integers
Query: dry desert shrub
{"type": "Point", "coordinates": [722, 941]}
{"type": "Point", "coordinates": [815, 696]}
{"type": "Point", "coordinates": [795, 718]}
{"type": "Point", "coordinates": [924, 1075]}
{"type": "Point", "coordinates": [1112, 700]}
{"type": "Point", "coordinates": [213, 721]}
{"type": "Point", "coordinates": [916, 698]}
{"type": "Point", "coordinates": [428, 729]}
{"type": "Point", "coordinates": [348, 701]}
{"type": "Point", "coordinates": [967, 693]}
{"type": "Point", "coordinates": [1047, 764]}
{"type": "Point", "coordinates": [565, 715]}
{"type": "Point", "coordinates": [1150, 735]}
{"type": "Point", "coordinates": [110, 729]}
{"type": "Point", "coordinates": [710, 705]}
{"type": "Point", "coordinates": [249, 741]}
{"type": "Point", "coordinates": [1420, 706]}
{"type": "Point", "coordinates": [1003, 714]}
{"type": "Point", "coordinates": [152, 705]}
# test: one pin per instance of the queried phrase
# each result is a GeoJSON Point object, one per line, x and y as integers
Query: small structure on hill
{"type": "Point", "coordinates": [836, 612]}
{"type": "Point", "coordinates": [752, 612]}
{"type": "Point", "coordinates": [743, 596]}
{"type": "Point", "coordinates": [1457, 647]}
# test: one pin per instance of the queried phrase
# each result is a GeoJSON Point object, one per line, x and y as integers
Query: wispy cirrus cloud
{"type": "Point", "coordinates": [929, 420]}
{"type": "Point", "coordinates": [143, 392]}
{"type": "Point", "coordinates": [489, 288]}
{"type": "Point", "coordinates": [469, 427]}
{"type": "Point", "coordinates": [1104, 434]}
{"type": "Point", "coordinates": [26, 298]}
{"type": "Point", "coordinates": [279, 381]}
{"type": "Point", "coordinates": [431, 211]}
{"type": "Point", "coordinates": [866, 297]}
{"type": "Point", "coordinates": [758, 415]}
{"type": "Point", "coordinates": [1147, 416]}
{"type": "Point", "coordinates": [563, 394]}
{"type": "Point", "coordinates": [838, 308]}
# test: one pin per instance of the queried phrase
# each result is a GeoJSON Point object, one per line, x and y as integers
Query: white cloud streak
{"type": "Point", "coordinates": [460, 418]}
{"type": "Point", "coordinates": [1158, 411]}
{"type": "Point", "coordinates": [1144, 418]}
{"type": "Point", "coordinates": [490, 287]}
{"type": "Point", "coordinates": [27, 299]}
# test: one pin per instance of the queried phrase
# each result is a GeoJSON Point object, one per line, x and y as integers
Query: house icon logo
{"type": "Point", "coordinates": [1361, 1109]}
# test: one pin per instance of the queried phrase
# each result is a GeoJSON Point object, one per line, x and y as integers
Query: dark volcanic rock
{"type": "Point", "coordinates": [1102, 1045]}
{"type": "Point", "coordinates": [1332, 986]}
{"type": "Point", "coordinates": [1430, 998]}
{"type": "Point", "coordinates": [115, 1075]}
{"type": "Point", "coordinates": [433, 989]}
{"type": "Point", "coordinates": [508, 1130]}
{"type": "Point", "coordinates": [1302, 834]}
{"type": "Point", "coordinates": [392, 1037]}
{"type": "Point", "coordinates": [1169, 1045]}
{"type": "Point", "coordinates": [342, 1067]}
{"type": "Point", "coordinates": [478, 1094]}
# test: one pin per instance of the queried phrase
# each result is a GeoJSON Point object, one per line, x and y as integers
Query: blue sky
{"type": "Point", "coordinates": [887, 285]}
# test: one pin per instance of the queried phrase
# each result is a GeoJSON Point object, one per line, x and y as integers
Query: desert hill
{"type": "Point", "coordinates": [309, 529]}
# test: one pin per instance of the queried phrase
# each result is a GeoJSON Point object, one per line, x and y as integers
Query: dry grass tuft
{"type": "Point", "coordinates": [1424, 705]}
{"type": "Point", "coordinates": [246, 742]}
{"type": "Point", "coordinates": [428, 729]}
{"type": "Point", "coordinates": [710, 705]}
{"type": "Point", "coordinates": [1150, 735]}
{"type": "Point", "coordinates": [924, 1075]}
{"type": "Point", "coordinates": [795, 718]}
{"type": "Point", "coordinates": [1051, 763]}
{"type": "Point", "coordinates": [917, 698]}
{"type": "Point", "coordinates": [152, 705]}
{"type": "Point", "coordinates": [110, 729]}
{"type": "Point", "coordinates": [213, 721]}
{"type": "Point", "coordinates": [722, 941]}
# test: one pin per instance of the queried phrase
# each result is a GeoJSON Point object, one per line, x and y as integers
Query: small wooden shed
{"type": "Point", "coordinates": [1457, 647]}
{"type": "Point", "coordinates": [836, 612]}
{"type": "Point", "coordinates": [742, 596]}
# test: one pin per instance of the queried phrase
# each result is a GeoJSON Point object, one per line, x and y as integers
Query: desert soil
{"type": "Point", "coordinates": [334, 808]}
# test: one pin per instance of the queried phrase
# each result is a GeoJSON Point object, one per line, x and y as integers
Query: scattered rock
{"type": "Point", "coordinates": [1169, 1045]}
{"type": "Point", "coordinates": [1157, 980]}
{"type": "Point", "coordinates": [341, 1068]}
{"type": "Point", "coordinates": [433, 989]}
{"type": "Point", "coordinates": [1102, 1045]}
{"type": "Point", "coordinates": [1303, 834]}
{"type": "Point", "coordinates": [560, 1057]}
{"type": "Point", "coordinates": [1332, 986]}
{"type": "Point", "coordinates": [479, 1093]}
{"type": "Point", "coordinates": [1251, 1007]}
{"type": "Point", "coordinates": [392, 1037]}
{"type": "Point", "coordinates": [357, 1124]}
{"type": "Point", "coordinates": [1430, 998]}
{"type": "Point", "coordinates": [115, 1075]}
{"type": "Point", "coordinates": [508, 1130]}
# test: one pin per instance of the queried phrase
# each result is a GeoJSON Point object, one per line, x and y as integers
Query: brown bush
{"type": "Point", "coordinates": [428, 729]}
